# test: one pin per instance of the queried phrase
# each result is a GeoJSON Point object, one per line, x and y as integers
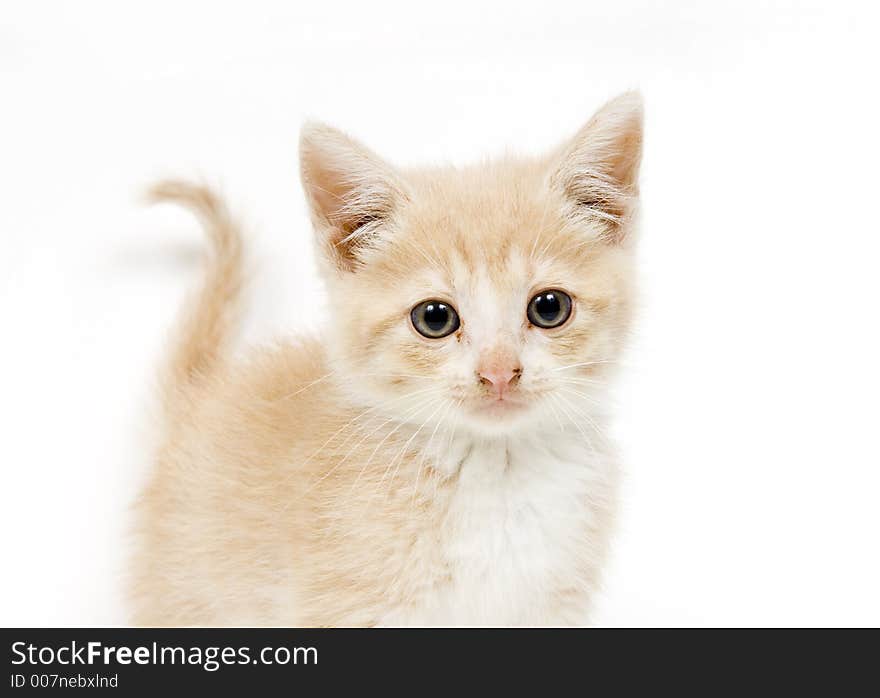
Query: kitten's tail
{"type": "Point", "coordinates": [207, 323]}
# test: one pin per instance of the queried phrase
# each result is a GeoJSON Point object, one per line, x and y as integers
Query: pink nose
{"type": "Point", "coordinates": [499, 379]}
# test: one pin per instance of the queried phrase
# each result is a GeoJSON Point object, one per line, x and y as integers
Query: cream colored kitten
{"type": "Point", "coordinates": [439, 457]}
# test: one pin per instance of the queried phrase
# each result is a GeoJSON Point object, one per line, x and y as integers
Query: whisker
{"type": "Point", "coordinates": [362, 414]}
{"type": "Point", "coordinates": [381, 405]}
{"type": "Point", "coordinates": [580, 380]}
{"type": "Point", "coordinates": [334, 372]}
{"type": "Point", "coordinates": [555, 413]}
{"type": "Point", "coordinates": [308, 385]}
{"type": "Point", "coordinates": [544, 212]}
{"type": "Point", "coordinates": [583, 414]}
{"type": "Point", "coordinates": [448, 447]}
{"type": "Point", "coordinates": [577, 426]}
{"type": "Point", "coordinates": [402, 451]}
{"type": "Point", "coordinates": [400, 423]}
{"type": "Point", "coordinates": [605, 401]}
{"type": "Point", "coordinates": [590, 398]}
{"type": "Point", "coordinates": [432, 261]}
{"type": "Point", "coordinates": [425, 452]}
{"type": "Point", "coordinates": [585, 363]}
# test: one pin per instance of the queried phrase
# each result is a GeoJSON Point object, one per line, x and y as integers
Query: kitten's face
{"type": "Point", "coordinates": [495, 297]}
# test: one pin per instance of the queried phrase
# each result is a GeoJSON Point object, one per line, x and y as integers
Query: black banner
{"type": "Point", "coordinates": [553, 662]}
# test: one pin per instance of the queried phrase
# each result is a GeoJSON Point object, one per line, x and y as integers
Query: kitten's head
{"type": "Point", "coordinates": [495, 296]}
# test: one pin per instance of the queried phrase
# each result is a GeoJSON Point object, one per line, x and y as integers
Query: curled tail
{"type": "Point", "coordinates": [208, 321]}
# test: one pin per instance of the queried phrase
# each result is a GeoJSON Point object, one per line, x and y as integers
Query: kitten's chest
{"type": "Point", "coordinates": [513, 531]}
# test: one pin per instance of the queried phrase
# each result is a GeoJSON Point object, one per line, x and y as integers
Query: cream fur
{"type": "Point", "coordinates": [361, 479]}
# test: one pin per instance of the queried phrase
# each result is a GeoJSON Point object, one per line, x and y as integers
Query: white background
{"type": "Point", "coordinates": [749, 414]}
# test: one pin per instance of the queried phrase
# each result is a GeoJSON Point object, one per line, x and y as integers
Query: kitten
{"type": "Point", "coordinates": [439, 457]}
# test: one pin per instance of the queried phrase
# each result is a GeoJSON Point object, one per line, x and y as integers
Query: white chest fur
{"type": "Point", "coordinates": [515, 534]}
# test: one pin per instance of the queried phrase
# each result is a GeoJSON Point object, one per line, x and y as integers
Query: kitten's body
{"type": "Point", "coordinates": [494, 532]}
{"type": "Point", "coordinates": [327, 483]}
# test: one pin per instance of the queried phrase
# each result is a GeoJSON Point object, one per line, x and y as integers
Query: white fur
{"type": "Point", "coordinates": [513, 532]}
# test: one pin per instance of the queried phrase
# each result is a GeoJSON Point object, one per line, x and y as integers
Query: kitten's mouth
{"type": "Point", "coordinates": [499, 407]}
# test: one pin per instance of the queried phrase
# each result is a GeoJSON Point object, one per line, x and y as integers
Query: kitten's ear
{"type": "Point", "coordinates": [350, 191]}
{"type": "Point", "coordinates": [598, 169]}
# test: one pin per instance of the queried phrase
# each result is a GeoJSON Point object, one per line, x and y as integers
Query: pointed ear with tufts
{"type": "Point", "coordinates": [598, 169]}
{"type": "Point", "coordinates": [350, 191]}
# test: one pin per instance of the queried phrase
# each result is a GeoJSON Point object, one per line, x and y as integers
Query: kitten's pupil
{"type": "Point", "coordinates": [436, 316]}
{"type": "Point", "coordinates": [548, 307]}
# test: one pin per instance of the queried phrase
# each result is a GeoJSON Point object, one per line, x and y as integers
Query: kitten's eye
{"type": "Point", "coordinates": [434, 319]}
{"type": "Point", "coordinates": [549, 309]}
